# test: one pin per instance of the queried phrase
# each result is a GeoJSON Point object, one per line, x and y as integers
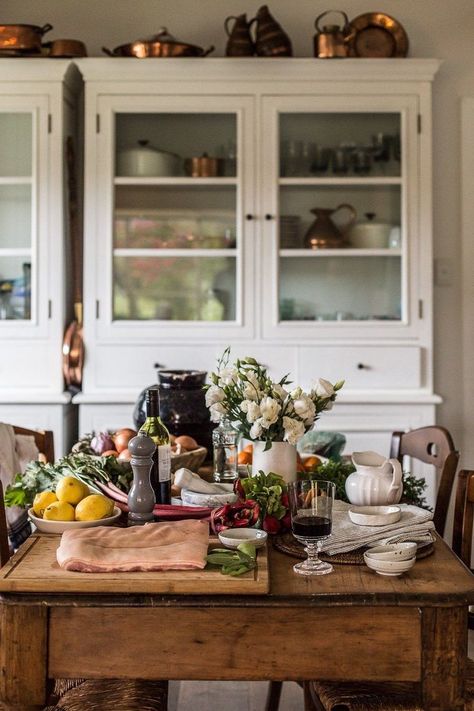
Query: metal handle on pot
{"type": "Point", "coordinates": [320, 17]}
{"type": "Point", "coordinates": [109, 52]}
{"type": "Point", "coordinates": [207, 51]}
{"type": "Point", "coordinates": [46, 28]}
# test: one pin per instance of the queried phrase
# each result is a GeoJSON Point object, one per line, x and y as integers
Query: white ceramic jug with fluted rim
{"type": "Point", "coordinates": [377, 481]}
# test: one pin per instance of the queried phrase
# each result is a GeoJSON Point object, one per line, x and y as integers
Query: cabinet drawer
{"type": "Point", "coordinates": [362, 367]}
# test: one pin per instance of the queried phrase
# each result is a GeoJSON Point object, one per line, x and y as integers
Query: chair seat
{"type": "Point", "coordinates": [376, 696]}
{"type": "Point", "coordinates": [110, 695]}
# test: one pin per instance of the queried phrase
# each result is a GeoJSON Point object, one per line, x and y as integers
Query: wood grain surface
{"type": "Point", "coordinates": [35, 569]}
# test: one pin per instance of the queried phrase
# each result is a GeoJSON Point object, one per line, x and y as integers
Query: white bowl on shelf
{"type": "Point", "coordinates": [46, 526]}
{"type": "Point", "coordinates": [232, 537]}
{"type": "Point", "coordinates": [391, 568]}
{"type": "Point", "coordinates": [374, 515]}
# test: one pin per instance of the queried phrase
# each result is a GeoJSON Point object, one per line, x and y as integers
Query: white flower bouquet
{"type": "Point", "coordinates": [262, 409]}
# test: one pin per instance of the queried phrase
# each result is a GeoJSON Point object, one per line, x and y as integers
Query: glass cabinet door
{"type": "Point", "coordinates": [16, 214]}
{"type": "Point", "coordinates": [340, 240]}
{"type": "Point", "coordinates": [177, 202]}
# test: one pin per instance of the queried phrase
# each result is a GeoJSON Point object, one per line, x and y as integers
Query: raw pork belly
{"type": "Point", "coordinates": [181, 545]}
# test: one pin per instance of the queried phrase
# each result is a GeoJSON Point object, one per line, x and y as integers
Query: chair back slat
{"type": "Point", "coordinates": [4, 545]}
{"type": "Point", "coordinates": [431, 445]}
{"type": "Point", "coordinates": [464, 516]}
{"type": "Point", "coordinates": [44, 440]}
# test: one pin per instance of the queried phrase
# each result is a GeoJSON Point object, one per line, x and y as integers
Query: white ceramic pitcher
{"type": "Point", "coordinates": [377, 481]}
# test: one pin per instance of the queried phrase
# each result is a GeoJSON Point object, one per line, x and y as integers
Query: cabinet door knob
{"type": "Point", "coordinates": [269, 217]}
{"type": "Point", "coordinates": [362, 366]}
{"type": "Point", "coordinates": [249, 217]}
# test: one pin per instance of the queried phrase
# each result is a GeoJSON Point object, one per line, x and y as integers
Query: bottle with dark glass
{"type": "Point", "coordinates": [160, 476]}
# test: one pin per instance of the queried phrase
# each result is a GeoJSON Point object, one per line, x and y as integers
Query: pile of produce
{"type": "Point", "coordinates": [90, 469]}
{"type": "Point", "coordinates": [303, 465]}
{"type": "Point", "coordinates": [263, 503]}
{"type": "Point", "coordinates": [234, 562]}
{"type": "Point", "coordinates": [115, 444]}
{"type": "Point", "coordinates": [71, 501]}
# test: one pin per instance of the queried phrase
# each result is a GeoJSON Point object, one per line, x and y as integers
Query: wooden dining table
{"type": "Point", "coordinates": [350, 625]}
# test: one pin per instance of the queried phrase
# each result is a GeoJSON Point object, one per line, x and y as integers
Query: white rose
{"type": "Point", "coordinates": [296, 393]}
{"type": "Point", "coordinates": [323, 388]}
{"type": "Point", "coordinates": [214, 394]}
{"type": "Point", "coordinates": [294, 430]}
{"type": "Point", "coordinates": [269, 408]}
{"type": "Point", "coordinates": [250, 389]}
{"type": "Point", "coordinates": [251, 408]}
{"type": "Point", "coordinates": [305, 408]}
{"type": "Point", "coordinates": [256, 430]}
{"type": "Point", "coordinates": [228, 375]}
{"type": "Point", "coordinates": [279, 391]}
{"type": "Point", "coordinates": [217, 412]}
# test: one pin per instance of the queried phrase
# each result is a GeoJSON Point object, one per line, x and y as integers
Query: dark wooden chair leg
{"type": "Point", "coordinates": [273, 696]}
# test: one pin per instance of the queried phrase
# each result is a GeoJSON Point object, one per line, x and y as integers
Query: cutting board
{"type": "Point", "coordinates": [34, 568]}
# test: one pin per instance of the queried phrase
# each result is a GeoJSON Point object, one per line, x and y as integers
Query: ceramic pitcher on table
{"type": "Point", "coordinates": [377, 481]}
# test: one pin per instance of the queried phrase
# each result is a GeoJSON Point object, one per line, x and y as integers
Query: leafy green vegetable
{"type": "Point", "coordinates": [338, 471]}
{"type": "Point", "coordinates": [86, 467]}
{"type": "Point", "coordinates": [267, 490]}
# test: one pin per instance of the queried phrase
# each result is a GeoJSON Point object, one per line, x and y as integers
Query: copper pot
{"type": "Point", "coordinates": [65, 48]}
{"type": "Point", "coordinates": [161, 45]}
{"type": "Point", "coordinates": [203, 166]}
{"type": "Point", "coordinates": [22, 38]}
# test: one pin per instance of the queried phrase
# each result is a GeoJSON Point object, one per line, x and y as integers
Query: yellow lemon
{"type": "Point", "coordinates": [59, 511]}
{"type": "Point", "coordinates": [42, 500]}
{"type": "Point", "coordinates": [71, 490]}
{"type": "Point", "coordinates": [94, 507]}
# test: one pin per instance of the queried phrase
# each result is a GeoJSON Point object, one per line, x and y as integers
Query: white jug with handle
{"type": "Point", "coordinates": [377, 481]}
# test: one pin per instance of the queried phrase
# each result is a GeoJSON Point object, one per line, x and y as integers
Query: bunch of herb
{"type": "Point", "coordinates": [88, 468]}
{"type": "Point", "coordinates": [270, 492]}
{"type": "Point", "coordinates": [338, 471]}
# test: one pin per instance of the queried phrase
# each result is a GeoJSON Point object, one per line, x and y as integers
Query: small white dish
{"type": "Point", "coordinates": [393, 551]}
{"type": "Point", "coordinates": [389, 567]}
{"type": "Point", "coordinates": [374, 515]}
{"type": "Point", "coordinates": [232, 537]}
{"type": "Point", "coordinates": [46, 526]}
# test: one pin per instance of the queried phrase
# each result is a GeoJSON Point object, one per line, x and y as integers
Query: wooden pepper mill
{"type": "Point", "coordinates": [141, 497]}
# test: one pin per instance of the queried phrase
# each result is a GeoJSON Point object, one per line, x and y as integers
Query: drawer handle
{"type": "Point", "coordinates": [362, 366]}
{"type": "Point", "coordinates": [249, 217]}
{"type": "Point", "coordinates": [269, 217]}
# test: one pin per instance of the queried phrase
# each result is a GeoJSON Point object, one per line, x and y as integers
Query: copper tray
{"type": "Point", "coordinates": [375, 34]}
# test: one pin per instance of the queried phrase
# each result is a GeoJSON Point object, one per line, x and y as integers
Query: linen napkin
{"type": "Point", "coordinates": [415, 524]}
{"type": "Point", "coordinates": [180, 545]}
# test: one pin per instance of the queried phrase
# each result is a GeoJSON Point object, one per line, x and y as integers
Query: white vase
{"type": "Point", "coordinates": [279, 459]}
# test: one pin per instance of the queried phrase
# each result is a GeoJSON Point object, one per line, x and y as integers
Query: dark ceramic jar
{"type": "Point", "coordinates": [182, 405]}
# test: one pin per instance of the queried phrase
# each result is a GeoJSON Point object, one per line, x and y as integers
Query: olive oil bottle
{"type": "Point", "coordinates": [160, 475]}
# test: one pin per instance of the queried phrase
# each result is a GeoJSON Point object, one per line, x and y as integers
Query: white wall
{"type": "Point", "coordinates": [436, 28]}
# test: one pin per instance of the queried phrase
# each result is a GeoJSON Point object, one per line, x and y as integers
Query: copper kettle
{"type": "Point", "coordinates": [324, 233]}
{"type": "Point", "coordinates": [240, 42]}
{"type": "Point", "coordinates": [331, 41]}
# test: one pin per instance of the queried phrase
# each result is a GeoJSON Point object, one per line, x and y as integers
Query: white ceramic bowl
{"type": "Point", "coordinates": [393, 551]}
{"type": "Point", "coordinates": [374, 515]}
{"type": "Point", "coordinates": [389, 567]}
{"type": "Point", "coordinates": [46, 526]}
{"type": "Point", "coordinates": [232, 537]}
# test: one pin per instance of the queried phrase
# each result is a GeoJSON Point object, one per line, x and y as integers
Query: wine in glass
{"type": "Point", "coordinates": [311, 521]}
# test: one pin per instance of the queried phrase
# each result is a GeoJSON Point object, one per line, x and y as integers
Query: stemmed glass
{"type": "Point", "coordinates": [311, 521]}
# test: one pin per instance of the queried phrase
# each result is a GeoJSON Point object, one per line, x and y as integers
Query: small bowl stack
{"type": "Point", "coordinates": [392, 559]}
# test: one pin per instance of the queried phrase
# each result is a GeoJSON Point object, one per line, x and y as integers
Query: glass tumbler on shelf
{"type": "Point", "coordinates": [225, 441]}
{"type": "Point", "coordinates": [311, 521]}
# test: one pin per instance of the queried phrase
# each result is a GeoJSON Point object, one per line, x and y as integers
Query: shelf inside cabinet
{"type": "Point", "coordinates": [341, 181]}
{"type": "Point", "coordinates": [164, 252]}
{"type": "Point", "coordinates": [344, 252]}
{"type": "Point", "coordinates": [177, 180]}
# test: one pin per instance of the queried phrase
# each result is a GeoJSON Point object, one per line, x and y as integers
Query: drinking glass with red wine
{"type": "Point", "coordinates": [311, 521]}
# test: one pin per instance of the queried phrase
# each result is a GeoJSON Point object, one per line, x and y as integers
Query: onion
{"type": "Point", "coordinates": [186, 442]}
{"type": "Point", "coordinates": [124, 456]}
{"type": "Point", "coordinates": [122, 437]}
{"type": "Point", "coordinates": [110, 453]}
{"type": "Point", "coordinates": [101, 442]}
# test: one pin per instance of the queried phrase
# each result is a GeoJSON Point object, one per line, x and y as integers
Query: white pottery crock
{"type": "Point", "coordinates": [377, 481]}
{"type": "Point", "coordinates": [279, 459]}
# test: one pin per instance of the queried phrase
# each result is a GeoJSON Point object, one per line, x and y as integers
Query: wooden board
{"type": "Point", "coordinates": [35, 569]}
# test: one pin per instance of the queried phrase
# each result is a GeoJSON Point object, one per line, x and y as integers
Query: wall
{"type": "Point", "coordinates": [435, 29]}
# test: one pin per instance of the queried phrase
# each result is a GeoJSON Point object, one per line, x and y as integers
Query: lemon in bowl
{"type": "Point", "coordinates": [94, 507]}
{"type": "Point", "coordinates": [71, 490]}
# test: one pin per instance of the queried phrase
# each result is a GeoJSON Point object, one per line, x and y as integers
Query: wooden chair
{"type": "Point", "coordinates": [80, 694]}
{"type": "Point", "coordinates": [44, 440]}
{"type": "Point", "coordinates": [463, 522]}
{"type": "Point", "coordinates": [431, 445]}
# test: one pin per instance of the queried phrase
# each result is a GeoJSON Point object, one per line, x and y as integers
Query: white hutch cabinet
{"type": "Point", "coordinates": [37, 112]}
{"type": "Point", "coordinates": [179, 265]}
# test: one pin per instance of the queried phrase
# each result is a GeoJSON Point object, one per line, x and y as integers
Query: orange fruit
{"type": "Point", "coordinates": [311, 463]}
{"type": "Point", "coordinates": [300, 467]}
{"type": "Point", "coordinates": [244, 457]}
{"type": "Point", "coordinates": [248, 448]}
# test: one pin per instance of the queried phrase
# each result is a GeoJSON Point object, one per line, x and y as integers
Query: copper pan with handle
{"type": "Point", "coordinates": [22, 39]}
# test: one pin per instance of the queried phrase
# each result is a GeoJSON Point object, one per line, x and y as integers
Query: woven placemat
{"type": "Point", "coordinates": [287, 543]}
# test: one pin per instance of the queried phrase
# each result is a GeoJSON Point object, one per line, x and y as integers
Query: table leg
{"type": "Point", "coordinates": [23, 655]}
{"type": "Point", "coordinates": [444, 653]}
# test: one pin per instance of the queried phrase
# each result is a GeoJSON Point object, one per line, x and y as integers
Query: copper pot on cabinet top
{"type": "Point", "coordinates": [330, 41]}
{"type": "Point", "coordinates": [240, 42]}
{"type": "Point", "coordinates": [22, 39]}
